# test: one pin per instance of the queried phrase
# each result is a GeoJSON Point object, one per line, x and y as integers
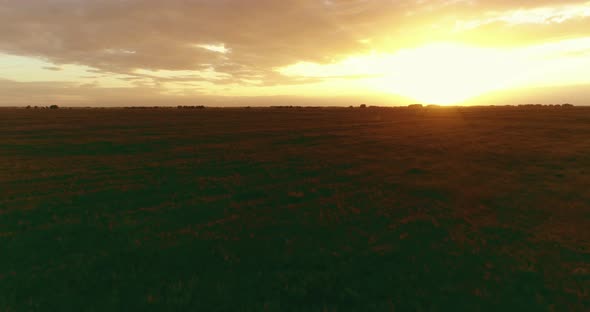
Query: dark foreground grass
{"type": "Point", "coordinates": [467, 209]}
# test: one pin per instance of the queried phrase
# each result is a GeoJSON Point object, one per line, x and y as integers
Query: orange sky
{"type": "Point", "coordinates": [270, 52]}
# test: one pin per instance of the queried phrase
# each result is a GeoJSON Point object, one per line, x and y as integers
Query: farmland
{"type": "Point", "coordinates": [300, 209]}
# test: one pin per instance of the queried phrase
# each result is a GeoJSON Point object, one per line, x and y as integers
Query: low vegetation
{"type": "Point", "coordinates": [398, 209]}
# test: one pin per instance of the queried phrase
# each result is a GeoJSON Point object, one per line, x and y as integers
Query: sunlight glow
{"type": "Point", "coordinates": [447, 73]}
{"type": "Point", "coordinates": [451, 73]}
{"type": "Point", "coordinates": [380, 52]}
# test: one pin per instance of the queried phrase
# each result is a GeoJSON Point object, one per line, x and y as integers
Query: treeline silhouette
{"type": "Point", "coordinates": [42, 107]}
{"type": "Point", "coordinates": [291, 106]}
{"type": "Point", "coordinates": [190, 107]}
{"type": "Point", "coordinates": [417, 106]}
{"type": "Point", "coordinates": [362, 106]}
{"type": "Point", "coordinates": [546, 105]}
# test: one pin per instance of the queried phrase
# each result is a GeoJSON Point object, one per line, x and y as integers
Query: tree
{"type": "Point", "coordinates": [53, 107]}
{"type": "Point", "coordinates": [363, 105]}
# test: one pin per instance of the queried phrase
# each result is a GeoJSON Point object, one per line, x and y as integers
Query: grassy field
{"type": "Point", "coordinates": [469, 209]}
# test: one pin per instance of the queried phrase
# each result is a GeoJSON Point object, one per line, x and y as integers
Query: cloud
{"type": "Point", "coordinates": [121, 36]}
{"type": "Point", "coordinates": [43, 93]}
{"type": "Point", "coordinates": [69, 94]}
{"type": "Point", "coordinates": [526, 25]}
{"type": "Point", "coordinates": [242, 43]}
{"type": "Point", "coordinates": [52, 68]}
{"type": "Point", "coordinates": [574, 94]}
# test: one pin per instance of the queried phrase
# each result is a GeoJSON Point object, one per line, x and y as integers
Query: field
{"type": "Point", "coordinates": [301, 209]}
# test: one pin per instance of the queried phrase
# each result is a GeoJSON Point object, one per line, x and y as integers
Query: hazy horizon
{"type": "Point", "coordinates": [306, 52]}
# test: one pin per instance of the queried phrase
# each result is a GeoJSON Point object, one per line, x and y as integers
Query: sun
{"type": "Point", "coordinates": [448, 73]}
{"type": "Point", "coordinates": [445, 73]}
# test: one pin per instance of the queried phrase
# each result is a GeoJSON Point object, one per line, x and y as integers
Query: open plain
{"type": "Point", "coordinates": [303, 209]}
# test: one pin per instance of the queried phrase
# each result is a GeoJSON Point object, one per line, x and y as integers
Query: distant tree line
{"type": "Point", "coordinates": [298, 107]}
{"type": "Point", "coordinates": [412, 106]}
{"type": "Point", "coordinates": [566, 105]}
{"type": "Point", "coordinates": [433, 106]}
{"type": "Point", "coordinates": [143, 107]}
{"type": "Point", "coordinates": [42, 107]}
{"type": "Point", "coordinates": [287, 106]}
{"type": "Point", "coordinates": [491, 106]}
{"type": "Point", "coordinates": [165, 107]}
{"type": "Point", "coordinates": [190, 107]}
{"type": "Point", "coordinates": [291, 106]}
{"type": "Point", "coordinates": [547, 105]}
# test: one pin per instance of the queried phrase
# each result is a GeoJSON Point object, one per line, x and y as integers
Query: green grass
{"type": "Point", "coordinates": [472, 209]}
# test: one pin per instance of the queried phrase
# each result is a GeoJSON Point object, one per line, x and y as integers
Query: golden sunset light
{"type": "Point", "coordinates": [82, 52]}
{"type": "Point", "coordinates": [294, 155]}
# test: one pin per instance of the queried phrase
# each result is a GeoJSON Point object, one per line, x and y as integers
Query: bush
{"type": "Point", "coordinates": [53, 107]}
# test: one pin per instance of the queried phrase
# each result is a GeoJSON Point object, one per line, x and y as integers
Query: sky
{"type": "Point", "coordinates": [294, 52]}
